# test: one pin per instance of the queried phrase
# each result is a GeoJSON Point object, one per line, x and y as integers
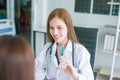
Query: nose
{"type": "Point", "coordinates": [55, 32]}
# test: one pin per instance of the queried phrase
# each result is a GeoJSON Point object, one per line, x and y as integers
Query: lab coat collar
{"type": "Point", "coordinates": [53, 57]}
{"type": "Point", "coordinates": [54, 47]}
{"type": "Point", "coordinates": [68, 50]}
{"type": "Point", "coordinates": [69, 46]}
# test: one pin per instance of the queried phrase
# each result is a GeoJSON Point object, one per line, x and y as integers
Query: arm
{"type": "Point", "coordinates": [83, 70]}
{"type": "Point", "coordinates": [84, 66]}
{"type": "Point", "coordinates": [39, 73]}
{"type": "Point", "coordinates": [39, 63]}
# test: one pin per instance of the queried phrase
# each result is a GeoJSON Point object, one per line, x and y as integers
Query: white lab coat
{"type": "Point", "coordinates": [82, 63]}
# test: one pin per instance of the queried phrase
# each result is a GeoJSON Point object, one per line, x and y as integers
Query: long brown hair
{"type": "Point", "coordinates": [16, 59]}
{"type": "Point", "coordinates": [65, 16]}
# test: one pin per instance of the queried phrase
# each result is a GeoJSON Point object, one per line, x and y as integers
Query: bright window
{"type": "Point", "coordinates": [96, 7]}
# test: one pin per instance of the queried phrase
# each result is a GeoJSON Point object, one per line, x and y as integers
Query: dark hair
{"type": "Point", "coordinates": [16, 59]}
{"type": "Point", "coordinates": [65, 16]}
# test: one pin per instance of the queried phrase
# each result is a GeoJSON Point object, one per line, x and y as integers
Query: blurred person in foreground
{"type": "Point", "coordinates": [16, 58]}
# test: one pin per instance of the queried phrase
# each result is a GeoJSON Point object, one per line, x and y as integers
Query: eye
{"type": "Point", "coordinates": [60, 27]}
{"type": "Point", "coordinates": [51, 27]}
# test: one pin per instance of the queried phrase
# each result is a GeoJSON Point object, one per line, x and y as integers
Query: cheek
{"type": "Point", "coordinates": [65, 33]}
{"type": "Point", "coordinates": [50, 32]}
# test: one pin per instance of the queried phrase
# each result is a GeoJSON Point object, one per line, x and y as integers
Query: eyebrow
{"type": "Point", "coordinates": [56, 26]}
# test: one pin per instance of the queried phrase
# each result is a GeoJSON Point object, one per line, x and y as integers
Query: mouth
{"type": "Point", "coordinates": [56, 37]}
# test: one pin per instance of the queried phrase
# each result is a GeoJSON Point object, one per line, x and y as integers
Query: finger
{"type": "Point", "coordinates": [61, 60]}
{"type": "Point", "coordinates": [61, 69]}
{"type": "Point", "coordinates": [65, 62]}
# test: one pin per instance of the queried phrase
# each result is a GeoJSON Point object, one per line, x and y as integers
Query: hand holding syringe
{"type": "Point", "coordinates": [62, 53]}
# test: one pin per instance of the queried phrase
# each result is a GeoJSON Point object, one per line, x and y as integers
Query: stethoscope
{"type": "Point", "coordinates": [49, 52]}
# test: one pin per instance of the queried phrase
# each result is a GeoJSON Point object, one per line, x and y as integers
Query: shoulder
{"type": "Point", "coordinates": [47, 45]}
{"type": "Point", "coordinates": [81, 50]}
{"type": "Point", "coordinates": [43, 50]}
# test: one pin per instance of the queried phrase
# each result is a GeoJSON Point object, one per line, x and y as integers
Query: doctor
{"type": "Point", "coordinates": [63, 57]}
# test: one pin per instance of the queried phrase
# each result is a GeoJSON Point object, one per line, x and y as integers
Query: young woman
{"type": "Point", "coordinates": [16, 59]}
{"type": "Point", "coordinates": [63, 49]}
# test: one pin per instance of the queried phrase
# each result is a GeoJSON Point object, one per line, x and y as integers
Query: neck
{"type": "Point", "coordinates": [64, 43]}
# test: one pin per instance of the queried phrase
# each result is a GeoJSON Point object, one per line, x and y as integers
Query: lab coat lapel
{"type": "Point", "coordinates": [53, 57]}
{"type": "Point", "coordinates": [68, 50]}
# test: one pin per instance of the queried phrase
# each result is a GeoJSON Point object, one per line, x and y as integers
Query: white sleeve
{"type": "Point", "coordinates": [39, 62]}
{"type": "Point", "coordinates": [85, 69]}
{"type": "Point", "coordinates": [39, 73]}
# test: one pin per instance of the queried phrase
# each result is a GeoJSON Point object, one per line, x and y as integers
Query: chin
{"type": "Point", "coordinates": [58, 41]}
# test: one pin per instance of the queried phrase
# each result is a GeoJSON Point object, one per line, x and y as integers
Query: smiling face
{"type": "Point", "coordinates": [58, 30]}
{"type": "Point", "coordinates": [60, 27]}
